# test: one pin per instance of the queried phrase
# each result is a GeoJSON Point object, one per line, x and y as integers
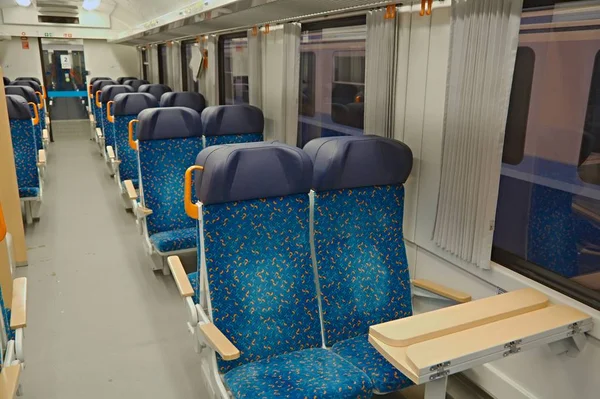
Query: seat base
{"type": "Point", "coordinates": [175, 240]}
{"type": "Point", "coordinates": [385, 377]}
{"type": "Point", "coordinates": [310, 373]}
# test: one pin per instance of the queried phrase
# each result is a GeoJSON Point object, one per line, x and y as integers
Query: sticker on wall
{"type": "Point", "coordinates": [66, 61]}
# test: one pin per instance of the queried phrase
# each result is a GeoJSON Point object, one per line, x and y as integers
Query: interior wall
{"type": "Point", "coordinates": [532, 374]}
{"type": "Point", "coordinates": [17, 61]}
{"type": "Point", "coordinates": [114, 60]}
{"type": "Point", "coordinates": [272, 80]}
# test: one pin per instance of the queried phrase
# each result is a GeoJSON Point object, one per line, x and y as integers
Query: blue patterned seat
{"type": "Point", "coordinates": [359, 249]}
{"type": "Point", "coordinates": [32, 99]}
{"type": "Point", "coordinates": [168, 141]}
{"type": "Point", "coordinates": [10, 334]}
{"type": "Point", "coordinates": [36, 86]}
{"type": "Point", "coordinates": [24, 146]}
{"type": "Point", "coordinates": [136, 83]}
{"type": "Point", "coordinates": [92, 95]}
{"type": "Point", "coordinates": [157, 90]}
{"type": "Point", "coordinates": [232, 124]}
{"type": "Point", "coordinates": [126, 108]}
{"type": "Point", "coordinates": [255, 228]}
{"type": "Point", "coordinates": [97, 86]}
{"type": "Point", "coordinates": [188, 99]}
{"type": "Point", "coordinates": [108, 93]}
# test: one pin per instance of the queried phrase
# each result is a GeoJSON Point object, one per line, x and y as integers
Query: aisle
{"type": "Point", "coordinates": [101, 323]}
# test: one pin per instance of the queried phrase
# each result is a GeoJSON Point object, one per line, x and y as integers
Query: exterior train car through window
{"type": "Point", "coordinates": [548, 213]}
{"type": "Point", "coordinates": [332, 79]}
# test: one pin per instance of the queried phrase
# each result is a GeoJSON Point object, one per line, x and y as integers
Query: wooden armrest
{"type": "Point", "coordinates": [9, 381]}
{"type": "Point", "coordinates": [18, 316]}
{"type": "Point", "coordinates": [110, 152]}
{"type": "Point", "coordinates": [130, 190]}
{"type": "Point", "coordinates": [143, 211]}
{"type": "Point", "coordinates": [219, 342]}
{"type": "Point", "coordinates": [41, 157]}
{"type": "Point", "coordinates": [429, 325]}
{"type": "Point", "coordinates": [45, 134]}
{"type": "Point", "coordinates": [47, 121]}
{"type": "Point", "coordinates": [180, 276]}
{"type": "Point", "coordinates": [92, 118]}
{"type": "Point", "coordinates": [444, 291]}
{"type": "Point", "coordinates": [98, 132]}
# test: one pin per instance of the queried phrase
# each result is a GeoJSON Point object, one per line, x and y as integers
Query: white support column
{"type": "Point", "coordinates": [436, 389]}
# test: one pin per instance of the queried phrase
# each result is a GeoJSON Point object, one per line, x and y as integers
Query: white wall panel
{"type": "Point", "coordinates": [19, 62]}
{"type": "Point", "coordinates": [104, 59]}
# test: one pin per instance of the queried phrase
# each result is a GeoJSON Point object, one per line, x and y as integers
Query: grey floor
{"type": "Point", "coordinates": [101, 324]}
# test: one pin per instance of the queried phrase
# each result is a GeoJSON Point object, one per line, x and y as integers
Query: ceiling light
{"type": "Point", "coordinates": [24, 3]}
{"type": "Point", "coordinates": [90, 5]}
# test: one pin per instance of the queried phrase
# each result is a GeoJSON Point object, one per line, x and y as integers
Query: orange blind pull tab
{"type": "Point", "coordinates": [423, 2]}
{"type": "Point", "coordinates": [267, 29]}
{"type": "Point", "coordinates": [430, 6]}
{"type": "Point", "coordinates": [205, 59]}
{"type": "Point", "coordinates": [390, 11]}
{"type": "Point", "coordinates": [255, 31]}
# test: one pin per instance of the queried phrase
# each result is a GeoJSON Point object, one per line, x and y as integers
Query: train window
{"type": "Point", "coordinates": [163, 72]}
{"type": "Point", "coordinates": [145, 64]}
{"type": "Point", "coordinates": [589, 155]}
{"type": "Point", "coordinates": [548, 212]}
{"type": "Point", "coordinates": [233, 69]}
{"type": "Point", "coordinates": [332, 79]}
{"type": "Point", "coordinates": [518, 109]}
{"type": "Point", "coordinates": [189, 84]}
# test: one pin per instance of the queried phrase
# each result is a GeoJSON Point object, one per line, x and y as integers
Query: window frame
{"type": "Point", "coordinates": [145, 63]}
{"type": "Point", "coordinates": [221, 60]}
{"type": "Point", "coordinates": [185, 67]}
{"type": "Point", "coordinates": [161, 66]}
{"type": "Point", "coordinates": [313, 73]}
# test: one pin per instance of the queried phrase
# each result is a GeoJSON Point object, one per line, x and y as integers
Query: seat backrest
{"type": "Point", "coordinates": [136, 83]}
{"type": "Point", "coordinates": [23, 140]}
{"type": "Point", "coordinates": [229, 124]}
{"type": "Point", "coordinates": [95, 79]}
{"type": "Point", "coordinates": [359, 248]}
{"type": "Point", "coordinates": [168, 141]}
{"type": "Point", "coordinates": [157, 90]}
{"type": "Point", "coordinates": [126, 108]}
{"type": "Point", "coordinates": [30, 83]}
{"type": "Point", "coordinates": [6, 80]}
{"type": "Point", "coordinates": [262, 290]}
{"type": "Point", "coordinates": [188, 99]}
{"type": "Point", "coordinates": [97, 86]}
{"type": "Point", "coordinates": [122, 80]}
{"type": "Point", "coordinates": [37, 87]}
{"type": "Point", "coordinates": [108, 94]}
{"type": "Point", "coordinates": [29, 78]}
{"type": "Point", "coordinates": [29, 95]}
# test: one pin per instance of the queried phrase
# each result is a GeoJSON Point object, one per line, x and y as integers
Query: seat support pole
{"type": "Point", "coordinates": [436, 389]}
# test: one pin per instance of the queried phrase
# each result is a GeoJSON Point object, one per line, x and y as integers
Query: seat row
{"type": "Point", "coordinates": [300, 251]}
{"type": "Point", "coordinates": [29, 124]}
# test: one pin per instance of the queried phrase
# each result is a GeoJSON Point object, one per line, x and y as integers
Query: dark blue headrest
{"type": "Point", "coordinates": [168, 123]}
{"type": "Point", "coordinates": [18, 107]}
{"type": "Point", "coordinates": [186, 99]}
{"type": "Point", "coordinates": [358, 161]}
{"type": "Point", "coordinates": [157, 90]}
{"type": "Point", "coordinates": [239, 172]}
{"type": "Point", "coordinates": [29, 83]}
{"type": "Point", "coordinates": [110, 92]}
{"type": "Point", "coordinates": [36, 80]}
{"type": "Point", "coordinates": [122, 80]}
{"type": "Point", "coordinates": [136, 83]}
{"type": "Point", "coordinates": [6, 80]}
{"type": "Point", "coordinates": [100, 84]}
{"type": "Point", "coordinates": [24, 91]}
{"type": "Point", "coordinates": [232, 119]}
{"type": "Point", "coordinates": [133, 103]}
{"type": "Point", "coordinates": [94, 80]}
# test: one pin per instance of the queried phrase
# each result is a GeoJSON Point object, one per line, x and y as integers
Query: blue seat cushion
{"type": "Point", "coordinates": [193, 277]}
{"type": "Point", "coordinates": [384, 376]}
{"type": "Point", "coordinates": [29, 192]}
{"type": "Point", "coordinates": [310, 373]}
{"type": "Point", "coordinates": [174, 240]}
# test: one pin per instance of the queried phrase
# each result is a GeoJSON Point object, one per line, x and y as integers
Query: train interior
{"type": "Point", "coordinates": [300, 199]}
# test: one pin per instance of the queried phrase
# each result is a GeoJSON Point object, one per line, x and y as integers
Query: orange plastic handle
{"type": "Point", "coordinates": [190, 209]}
{"type": "Point", "coordinates": [2, 225]}
{"type": "Point", "coordinates": [132, 143]}
{"type": "Point", "coordinates": [45, 92]}
{"type": "Point", "coordinates": [41, 96]}
{"type": "Point", "coordinates": [109, 116]}
{"type": "Point", "coordinates": [98, 99]}
{"type": "Point", "coordinates": [90, 91]}
{"type": "Point", "coordinates": [36, 119]}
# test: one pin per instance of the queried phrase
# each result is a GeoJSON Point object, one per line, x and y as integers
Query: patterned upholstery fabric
{"type": "Point", "coordinates": [128, 169]}
{"type": "Point", "coordinates": [361, 259]}
{"type": "Point", "coordinates": [385, 377]}
{"type": "Point", "coordinates": [107, 128]}
{"type": "Point", "coordinates": [232, 139]}
{"type": "Point", "coordinates": [174, 240]}
{"type": "Point", "coordinates": [311, 373]}
{"type": "Point", "coordinates": [25, 151]}
{"type": "Point", "coordinates": [6, 317]}
{"type": "Point", "coordinates": [260, 276]}
{"type": "Point", "coordinates": [97, 115]}
{"type": "Point", "coordinates": [162, 165]}
{"type": "Point", "coordinates": [195, 282]}
{"type": "Point", "coordinates": [38, 130]}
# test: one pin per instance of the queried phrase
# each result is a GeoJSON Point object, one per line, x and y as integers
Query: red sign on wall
{"type": "Point", "coordinates": [24, 43]}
